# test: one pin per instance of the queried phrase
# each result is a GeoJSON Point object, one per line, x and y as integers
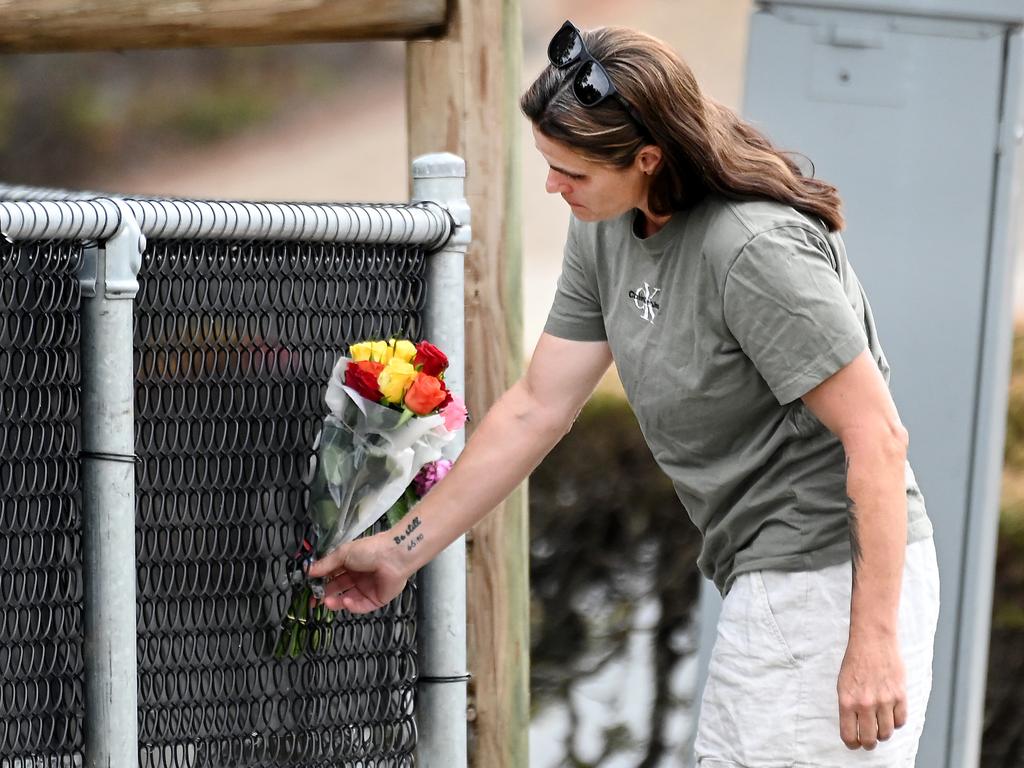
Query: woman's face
{"type": "Point", "coordinates": [593, 191]}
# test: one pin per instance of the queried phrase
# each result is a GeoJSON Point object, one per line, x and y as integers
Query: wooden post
{"type": "Point", "coordinates": [66, 25]}
{"type": "Point", "coordinates": [463, 97]}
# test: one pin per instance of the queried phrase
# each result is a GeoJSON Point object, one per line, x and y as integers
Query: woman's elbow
{"type": "Point", "coordinates": [533, 413]}
{"type": "Point", "coordinates": [885, 438]}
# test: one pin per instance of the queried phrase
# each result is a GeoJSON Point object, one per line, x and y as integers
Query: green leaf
{"type": "Point", "coordinates": [401, 508]}
{"type": "Point", "coordinates": [324, 513]}
{"type": "Point", "coordinates": [397, 511]}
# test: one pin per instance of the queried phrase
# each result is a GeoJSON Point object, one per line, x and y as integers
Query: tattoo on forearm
{"type": "Point", "coordinates": [856, 555]}
{"type": "Point", "coordinates": [406, 536]}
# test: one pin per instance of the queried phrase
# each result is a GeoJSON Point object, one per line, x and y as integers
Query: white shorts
{"type": "Point", "coordinates": [770, 699]}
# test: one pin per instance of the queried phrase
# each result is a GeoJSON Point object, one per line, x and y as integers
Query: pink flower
{"type": "Point", "coordinates": [455, 414]}
{"type": "Point", "coordinates": [431, 475]}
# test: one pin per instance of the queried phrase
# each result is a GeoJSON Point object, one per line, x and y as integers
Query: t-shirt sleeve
{"type": "Point", "coordinates": [576, 311]}
{"type": "Point", "coordinates": [785, 304]}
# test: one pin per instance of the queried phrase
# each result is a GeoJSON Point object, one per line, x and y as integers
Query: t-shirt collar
{"type": "Point", "coordinates": [660, 239]}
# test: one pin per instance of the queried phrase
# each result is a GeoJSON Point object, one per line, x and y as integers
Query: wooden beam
{"type": "Point", "coordinates": [463, 98]}
{"type": "Point", "coordinates": [66, 25]}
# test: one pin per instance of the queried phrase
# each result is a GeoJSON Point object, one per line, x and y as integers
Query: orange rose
{"type": "Point", "coordinates": [425, 394]}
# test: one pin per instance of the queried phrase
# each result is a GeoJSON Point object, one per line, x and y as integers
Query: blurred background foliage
{"type": "Point", "coordinates": [1003, 739]}
{"type": "Point", "coordinates": [607, 534]}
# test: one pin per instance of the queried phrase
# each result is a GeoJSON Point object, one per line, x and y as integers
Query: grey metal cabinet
{"type": "Point", "coordinates": [913, 110]}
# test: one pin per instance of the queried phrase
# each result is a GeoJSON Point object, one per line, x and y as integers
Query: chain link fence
{"type": "Point", "coordinates": [235, 336]}
{"type": "Point", "coordinates": [41, 696]}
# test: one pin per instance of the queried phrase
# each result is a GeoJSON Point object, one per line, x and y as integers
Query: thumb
{"type": "Point", "coordinates": [331, 562]}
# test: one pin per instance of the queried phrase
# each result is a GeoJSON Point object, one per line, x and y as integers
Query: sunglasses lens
{"type": "Point", "coordinates": [591, 84]}
{"type": "Point", "coordinates": [565, 46]}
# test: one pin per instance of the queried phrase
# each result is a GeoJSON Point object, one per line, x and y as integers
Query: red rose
{"type": "Point", "coordinates": [424, 395]}
{"type": "Point", "coordinates": [447, 394]}
{"type": "Point", "coordinates": [362, 377]}
{"type": "Point", "coordinates": [431, 358]}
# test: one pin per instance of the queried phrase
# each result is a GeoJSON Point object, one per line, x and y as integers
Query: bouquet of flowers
{"type": "Point", "coordinates": [380, 447]}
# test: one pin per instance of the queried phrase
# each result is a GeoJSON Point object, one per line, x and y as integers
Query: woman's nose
{"type": "Point", "coordinates": [555, 183]}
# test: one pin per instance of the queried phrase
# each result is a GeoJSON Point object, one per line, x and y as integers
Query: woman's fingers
{"type": "Point", "coordinates": [900, 712]}
{"type": "Point", "coordinates": [329, 563]}
{"type": "Point", "coordinates": [355, 601]}
{"type": "Point", "coordinates": [867, 729]}
{"type": "Point", "coordinates": [886, 723]}
{"type": "Point", "coordinates": [334, 601]}
{"type": "Point", "coordinates": [352, 599]}
{"type": "Point", "coordinates": [848, 726]}
{"type": "Point", "coordinates": [338, 583]}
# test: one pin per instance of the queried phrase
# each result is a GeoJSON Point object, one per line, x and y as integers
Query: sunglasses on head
{"type": "Point", "coordinates": [590, 83]}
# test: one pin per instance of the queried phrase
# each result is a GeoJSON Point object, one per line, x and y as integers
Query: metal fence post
{"type": "Point", "coordinates": [441, 694]}
{"type": "Point", "coordinates": [109, 285]}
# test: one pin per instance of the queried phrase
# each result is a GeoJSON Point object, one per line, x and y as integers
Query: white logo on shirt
{"type": "Point", "coordinates": [643, 298]}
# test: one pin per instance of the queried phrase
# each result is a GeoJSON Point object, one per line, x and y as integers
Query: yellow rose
{"type": "Point", "coordinates": [380, 351]}
{"type": "Point", "coordinates": [395, 380]}
{"type": "Point", "coordinates": [405, 350]}
{"type": "Point", "coordinates": [359, 352]}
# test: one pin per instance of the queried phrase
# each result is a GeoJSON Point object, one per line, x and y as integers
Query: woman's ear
{"type": "Point", "coordinates": [648, 159]}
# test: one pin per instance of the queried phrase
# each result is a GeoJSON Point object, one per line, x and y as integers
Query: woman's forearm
{"type": "Point", "coordinates": [878, 530]}
{"type": "Point", "coordinates": [504, 449]}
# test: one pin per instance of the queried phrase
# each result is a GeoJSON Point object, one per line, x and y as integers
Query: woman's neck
{"type": "Point", "coordinates": [648, 224]}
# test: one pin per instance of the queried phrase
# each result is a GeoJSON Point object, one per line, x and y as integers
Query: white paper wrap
{"type": "Point", "coordinates": [366, 461]}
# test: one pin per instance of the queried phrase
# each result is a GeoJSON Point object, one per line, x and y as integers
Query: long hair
{"type": "Point", "coordinates": [706, 147]}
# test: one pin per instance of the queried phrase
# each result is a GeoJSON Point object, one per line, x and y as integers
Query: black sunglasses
{"type": "Point", "coordinates": [590, 84]}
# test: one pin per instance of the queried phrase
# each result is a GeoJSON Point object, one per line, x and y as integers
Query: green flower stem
{"type": "Point", "coordinates": [303, 629]}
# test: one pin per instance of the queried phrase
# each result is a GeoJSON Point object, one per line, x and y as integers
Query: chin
{"type": "Point", "coordinates": [585, 214]}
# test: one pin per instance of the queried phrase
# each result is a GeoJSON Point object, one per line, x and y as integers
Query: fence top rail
{"type": "Point", "coordinates": [21, 193]}
{"type": "Point", "coordinates": [98, 219]}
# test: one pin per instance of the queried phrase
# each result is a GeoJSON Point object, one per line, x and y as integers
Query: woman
{"type": "Point", "coordinates": [710, 269]}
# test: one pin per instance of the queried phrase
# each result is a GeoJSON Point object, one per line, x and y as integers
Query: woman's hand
{"type": "Point", "coordinates": [362, 575]}
{"type": "Point", "coordinates": [872, 692]}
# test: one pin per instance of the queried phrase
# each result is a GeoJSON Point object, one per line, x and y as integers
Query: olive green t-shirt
{"type": "Point", "coordinates": [718, 324]}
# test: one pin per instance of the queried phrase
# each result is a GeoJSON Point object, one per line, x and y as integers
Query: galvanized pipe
{"type": "Point", "coordinates": [99, 219]}
{"type": "Point", "coordinates": [108, 497]}
{"type": "Point", "coordinates": [441, 701]}
{"type": "Point", "coordinates": [20, 192]}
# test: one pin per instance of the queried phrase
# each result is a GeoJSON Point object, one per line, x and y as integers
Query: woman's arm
{"type": "Point", "coordinates": [518, 431]}
{"type": "Point", "coordinates": [856, 406]}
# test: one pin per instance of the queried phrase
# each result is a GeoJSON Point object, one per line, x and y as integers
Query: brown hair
{"type": "Point", "coordinates": [706, 147]}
